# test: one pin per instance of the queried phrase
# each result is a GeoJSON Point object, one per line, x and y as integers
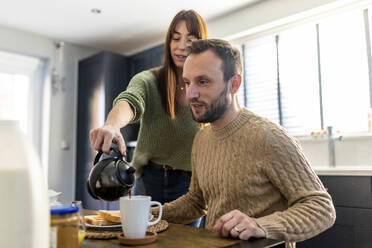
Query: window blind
{"type": "Point", "coordinates": [261, 77]}
{"type": "Point", "coordinates": [299, 87]}
{"type": "Point", "coordinates": [283, 78]}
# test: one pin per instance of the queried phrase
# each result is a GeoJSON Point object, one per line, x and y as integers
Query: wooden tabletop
{"type": "Point", "coordinates": [185, 236]}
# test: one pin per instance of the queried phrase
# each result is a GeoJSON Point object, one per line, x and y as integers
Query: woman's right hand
{"type": "Point", "coordinates": [101, 139]}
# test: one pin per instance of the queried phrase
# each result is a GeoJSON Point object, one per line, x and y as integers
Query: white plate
{"type": "Point", "coordinates": [102, 227]}
{"type": "Point", "coordinates": [53, 196]}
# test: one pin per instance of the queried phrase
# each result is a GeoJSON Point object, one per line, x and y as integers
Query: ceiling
{"type": "Point", "coordinates": [122, 26]}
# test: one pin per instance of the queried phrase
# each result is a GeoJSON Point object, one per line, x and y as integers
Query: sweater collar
{"type": "Point", "coordinates": [233, 126]}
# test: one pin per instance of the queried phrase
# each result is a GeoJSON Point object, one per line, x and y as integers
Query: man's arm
{"type": "Point", "coordinates": [310, 208]}
{"type": "Point", "coordinates": [190, 206]}
{"type": "Point", "coordinates": [187, 208]}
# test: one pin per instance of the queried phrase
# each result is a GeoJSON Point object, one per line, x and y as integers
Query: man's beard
{"type": "Point", "coordinates": [215, 110]}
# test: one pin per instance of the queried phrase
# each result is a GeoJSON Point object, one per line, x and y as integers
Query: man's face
{"type": "Point", "coordinates": [206, 91]}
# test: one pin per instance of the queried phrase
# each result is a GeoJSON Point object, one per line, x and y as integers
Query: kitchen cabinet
{"type": "Point", "coordinates": [100, 79]}
{"type": "Point", "coordinates": [352, 197]}
{"type": "Point", "coordinates": [147, 59]}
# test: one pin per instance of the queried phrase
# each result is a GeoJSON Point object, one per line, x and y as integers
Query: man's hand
{"type": "Point", "coordinates": [102, 138]}
{"type": "Point", "coordinates": [238, 224]}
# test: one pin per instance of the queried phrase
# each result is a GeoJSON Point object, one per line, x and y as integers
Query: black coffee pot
{"type": "Point", "coordinates": [110, 178]}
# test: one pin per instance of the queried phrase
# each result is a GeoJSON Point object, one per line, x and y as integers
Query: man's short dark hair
{"type": "Point", "coordinates": [230, 56]}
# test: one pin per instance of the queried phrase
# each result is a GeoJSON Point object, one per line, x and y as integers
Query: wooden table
{"type": "Point", "coordinates": [179, 236]}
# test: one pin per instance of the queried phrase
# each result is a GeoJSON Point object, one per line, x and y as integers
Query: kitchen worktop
{"type": "Point", "coordinates": [186, 236]}
{"type": "Point", "coordinates": [355, 170]}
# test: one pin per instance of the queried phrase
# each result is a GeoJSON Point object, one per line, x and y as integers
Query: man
{"type": "Point", "coordinates": [250, 176]}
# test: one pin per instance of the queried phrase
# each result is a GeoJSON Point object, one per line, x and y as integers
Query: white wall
{"type": "Point", "coordinates": [21, 42]}
{"type": "Point", "coordinates": [62, 106]}
{"type": "Point", "coordinates": [63, 125]}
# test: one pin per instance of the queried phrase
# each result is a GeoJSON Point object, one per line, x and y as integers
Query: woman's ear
{"type": "Point", "coordinates": [236, 81]}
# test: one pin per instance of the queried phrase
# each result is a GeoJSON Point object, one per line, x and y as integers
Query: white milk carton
{"type": "Point", "coordinates": [24, 207]}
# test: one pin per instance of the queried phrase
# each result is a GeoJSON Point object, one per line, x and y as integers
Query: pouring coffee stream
{"type": "Point", "coordinates": [111, 177]}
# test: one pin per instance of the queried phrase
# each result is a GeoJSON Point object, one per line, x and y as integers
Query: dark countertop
{"type": "Point", "coordinates": [185, 236]}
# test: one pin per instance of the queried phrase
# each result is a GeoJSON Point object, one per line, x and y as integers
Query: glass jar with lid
{"type": "Point", "coordinates": [64, 226]}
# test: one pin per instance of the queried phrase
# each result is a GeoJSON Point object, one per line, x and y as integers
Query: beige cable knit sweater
{"type": "Point", "coordinates": [253, 165]}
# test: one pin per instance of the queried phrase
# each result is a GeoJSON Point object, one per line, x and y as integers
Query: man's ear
{"type": "Point", "coordinates": [236, 81]}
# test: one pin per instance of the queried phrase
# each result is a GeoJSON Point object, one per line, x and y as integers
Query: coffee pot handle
{"type": "Point", "coordinates": [112, 148]}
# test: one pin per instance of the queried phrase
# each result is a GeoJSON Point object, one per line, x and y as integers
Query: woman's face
{"type": "Point", "coordinates": [180, 40]}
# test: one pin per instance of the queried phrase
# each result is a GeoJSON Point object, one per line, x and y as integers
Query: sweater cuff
{"type": "Point", "coordinates": [273, 229]}
{"type": "Point", "coordinates": [155, 211]}
{"type": "Point", "coordinates": [134, 102]}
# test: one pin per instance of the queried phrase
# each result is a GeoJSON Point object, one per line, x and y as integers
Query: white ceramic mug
{"type": "Point", "coordinates": [134, 214]}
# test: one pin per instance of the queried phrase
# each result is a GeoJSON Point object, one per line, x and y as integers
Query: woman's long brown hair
{"type": "Point", "coordinates": [167, 77]}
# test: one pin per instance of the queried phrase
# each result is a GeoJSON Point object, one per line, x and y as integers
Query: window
{"type": "Point", "coordinates": [311, 75]}
{"type": "Point", "coordinates": [20, 80]}
{"type": "Point", "coordinates": [299, 87]}
{"type": "Point", "coordinates": [14, 89]}
{"type": "Point", "coordinates": [344, 72]}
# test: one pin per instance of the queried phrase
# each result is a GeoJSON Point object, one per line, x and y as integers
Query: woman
{"type": "Point", "coordinates": [156, 98]}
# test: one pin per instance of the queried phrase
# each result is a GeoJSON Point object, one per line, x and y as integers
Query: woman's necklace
{"type": "Point", "coordinates": [181, 94]}
{"type": "Point", "coordinates": [180, 83]}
